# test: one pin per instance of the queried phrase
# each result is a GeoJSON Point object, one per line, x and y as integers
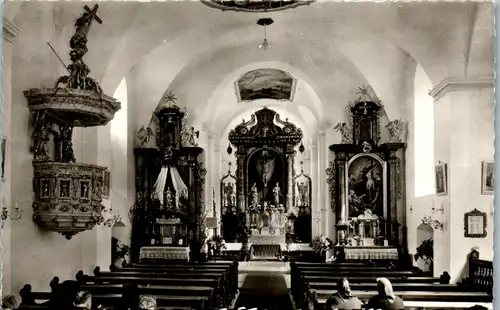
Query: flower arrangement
{"type": "Point", "coordinates": [217, 243]}
{"type": "Point", "coordinates": [321, 244]}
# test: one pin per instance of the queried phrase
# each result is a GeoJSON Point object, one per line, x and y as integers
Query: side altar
{"type": "Point", "coordinates": [259, 199]}
{"type": "Point", "coordinates": [366, 184]}
{"type": "Point", "coordinates": [167, 217]}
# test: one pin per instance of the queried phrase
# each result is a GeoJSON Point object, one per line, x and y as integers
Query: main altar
{"type": "Point", "coordinates": [258, 202]}
{"type": "Point", "coordinates": [366, 184]}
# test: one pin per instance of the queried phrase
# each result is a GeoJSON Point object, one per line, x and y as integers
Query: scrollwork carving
{"type": "Point", "coordinates": [399, 184]}
{"type": "Point", "coordinates": [331, 175]}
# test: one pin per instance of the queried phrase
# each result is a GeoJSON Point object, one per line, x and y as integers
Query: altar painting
{"type": "Point", "coordinates": [265, 175]}
{"type": "Point", "coordinates": [366, 186]}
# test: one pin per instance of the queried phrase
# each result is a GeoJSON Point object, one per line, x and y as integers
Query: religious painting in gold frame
{"type": "Point", "coordinates": [487, 178]}
{"type": "Point", "coordinates": [366, 186]}
{"type": "Point", "coordinates": [441, 179]}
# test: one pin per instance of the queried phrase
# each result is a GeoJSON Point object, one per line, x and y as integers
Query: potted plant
{"type": "Point", "coordinates": [425, 251]}
{"type": "Point", "coordinates": [122, 250]}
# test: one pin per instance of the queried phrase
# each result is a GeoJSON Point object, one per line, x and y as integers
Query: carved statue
{"type": "Point", "coordinates": [277, 194]}
{"type": "Point", "coordinates": [40, 136]}
{"type": "Point", "coordinates": [254, 196]}
{"type": "Point", "coordinates": [143, 136]}
{"type": "Point", "coordinates": [303, 194]}
{"type": "Point", "coordinates": [85, 190]}
{"type": "Point", "coordinates": [229, 190]}
{"type": "Point", "coordinates": [66, 144]}
{"type": "Point", "coordinates": [396, 130]}
{"type": "Point", "coordinates": [345, 132]}
{"type": "Point", "coordinates": [168, 199]}
{"type": "Point", "coordinates": [78, 70]}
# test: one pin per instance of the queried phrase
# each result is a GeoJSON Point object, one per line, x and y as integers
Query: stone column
{"type": "Point", "coordinates": [341, 204]}
{"type": "Point", "coordinates": [315, 227]}
{"type": "Point", "coordinates": [211, 171]}
{"type": "Point", "coordinates": [240, 169]}
{"type": "Point", "coordinates": [322, 161]}
{"type": "Point", "coordinates": [289, 195]}
{"type": "Point", "coordinates": [216, 184]}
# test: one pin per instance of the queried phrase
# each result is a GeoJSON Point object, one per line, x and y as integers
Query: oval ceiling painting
{"type": "Point", "coordinates": [265, 84]}
{"type": "Point", "coordinates": [255, 5]}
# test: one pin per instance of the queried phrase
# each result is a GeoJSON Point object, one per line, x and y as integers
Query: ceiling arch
{"type": "Point", "coordinates": [408, 26]}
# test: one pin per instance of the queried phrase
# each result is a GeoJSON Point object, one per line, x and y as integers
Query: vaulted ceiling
{"type": "Point", "coordinates": [199, 52]}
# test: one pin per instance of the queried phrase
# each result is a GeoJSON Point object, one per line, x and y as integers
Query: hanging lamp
{"type": "Point", "coordinates": [265, 22]}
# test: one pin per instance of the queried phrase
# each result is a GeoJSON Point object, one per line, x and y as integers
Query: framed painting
{"type": "Point", "coordinates": [441, 179]}
{"type": "Point", "coordinates": [487, 178]}
{"type": "Point", "coordinates": [475, 223]}
{"type": "Point", "coordinates": [265, 83]}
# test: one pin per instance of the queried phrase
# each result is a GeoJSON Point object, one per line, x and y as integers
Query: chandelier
{"type": "Point", "coordinates": [265, 22]}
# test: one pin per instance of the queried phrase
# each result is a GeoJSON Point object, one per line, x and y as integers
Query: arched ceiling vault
{"type": "Point", "coordinates": [418, 28]}
{"type": "Point", "coordinates": [336, 75]}
{"type": "Point", "coordinates": [132, 30]}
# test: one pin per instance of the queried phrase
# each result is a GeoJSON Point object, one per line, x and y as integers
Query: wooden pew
{"type": "Point", "coordinates": [223, 286]}
{"type": "Point", "coordinates": [230, 266]}
{"type": "Point", "coordinates": [372, 286]}
{"type": "Point", "coordinates": [217, 298]}
{"type": "Point", "coordinates": [322, 279]}
{"type": "Point", "coordinates": [40, 300]}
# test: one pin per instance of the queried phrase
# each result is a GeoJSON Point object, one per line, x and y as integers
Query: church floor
{"type": "Point", "coordinates": [264, 285]}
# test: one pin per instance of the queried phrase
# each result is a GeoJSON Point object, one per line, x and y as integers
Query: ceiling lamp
{"type": "Point", "coordinates": [265, 22]}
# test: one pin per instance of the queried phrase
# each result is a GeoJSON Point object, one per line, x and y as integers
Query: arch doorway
{"type": "Point", "coordinates": [424, 254]}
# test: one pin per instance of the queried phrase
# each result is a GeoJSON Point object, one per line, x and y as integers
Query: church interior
{"type": "Point", "coordinates": [247, 154]}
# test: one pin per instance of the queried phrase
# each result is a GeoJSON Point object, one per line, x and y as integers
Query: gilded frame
{"type": "Point", "coordinates": [479, 230]}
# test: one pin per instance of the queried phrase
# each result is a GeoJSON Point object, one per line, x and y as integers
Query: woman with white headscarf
{"type": "Point", "coordinates": [343, 299]}
{"type": "Point", "coordinates": [386, 299]}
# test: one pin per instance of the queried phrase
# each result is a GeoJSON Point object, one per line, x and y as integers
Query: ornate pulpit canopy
{"type": "Point", "coordinates": [68, 194]}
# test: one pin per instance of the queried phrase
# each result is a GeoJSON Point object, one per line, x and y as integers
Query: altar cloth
{"type": "Point", "coordinates": [164, 252]}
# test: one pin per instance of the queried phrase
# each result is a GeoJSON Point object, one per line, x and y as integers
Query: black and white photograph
{"type": "Point", "coordinates": [247, 154]}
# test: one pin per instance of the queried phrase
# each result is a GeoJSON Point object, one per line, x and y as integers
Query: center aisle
{"type": "Point", "coordinates": [264, 285]}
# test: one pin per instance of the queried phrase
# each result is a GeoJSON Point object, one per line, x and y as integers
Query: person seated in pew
{"type": "Point", "coordinates": [147, 302]}
{"type": "Point", "coordinates": [343, 298]}
{"type": "Point", "coordinates": [10, 302]}
{"type": "Point", "coordinates": [386, 299]}
{"type": "Point", "coordinates": [130, 298]}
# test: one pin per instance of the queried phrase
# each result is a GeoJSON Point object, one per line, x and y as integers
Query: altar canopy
{"type": "Point", "coordinates": [179, 187]}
